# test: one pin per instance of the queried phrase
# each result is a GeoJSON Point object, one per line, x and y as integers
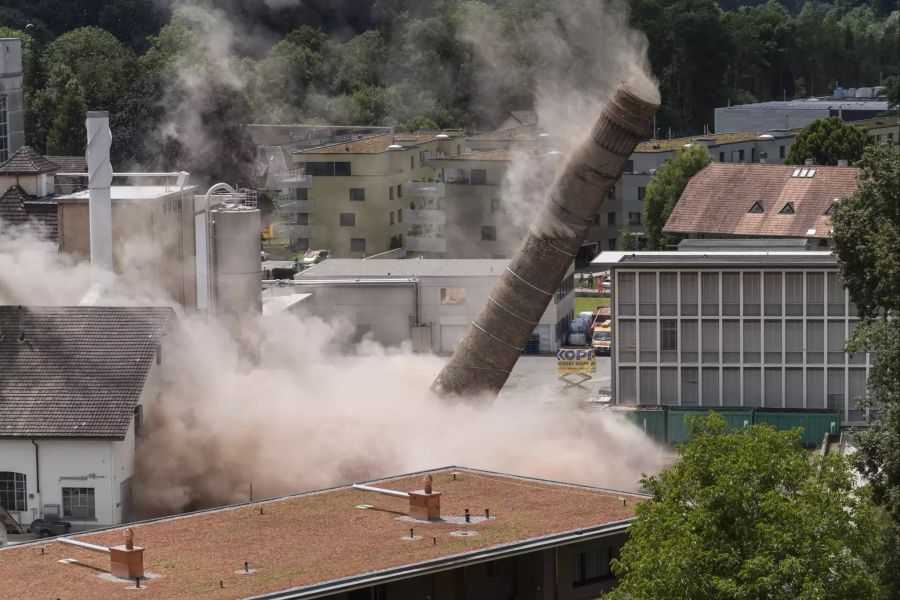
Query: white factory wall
{"type": "Point", "coordinates": [385, 312]}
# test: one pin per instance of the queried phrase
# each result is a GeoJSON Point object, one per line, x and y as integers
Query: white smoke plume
{"type": "Point", "coordinates": [289, 407]}
{"type": "Point", "coordinates": [577, 52]}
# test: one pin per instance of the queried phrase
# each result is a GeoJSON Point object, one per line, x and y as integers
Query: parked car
{"type": "Point", "coordinates": [314, 257]}
{"type": "Point", "coordinates": [50, 526]}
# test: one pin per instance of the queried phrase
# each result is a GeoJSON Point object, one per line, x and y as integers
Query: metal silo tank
{"type": "Point", "coordinates": [237, 268]}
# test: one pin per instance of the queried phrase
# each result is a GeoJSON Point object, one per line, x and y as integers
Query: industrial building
{"type": "Point", "coordinates": [794, 114]}
{"type": "Point", "coordinates": [741, 327]}
{"type": "Point", "coordinates": [12, 98]}
{"type": "Point", "coordinates": [428, 302]}
{"type": "Point", "coordinates": [761, 201]}
{"type": "Point", "coordinates": [74, 382]}
{"type": "Point", "coordinates": [452, 533]}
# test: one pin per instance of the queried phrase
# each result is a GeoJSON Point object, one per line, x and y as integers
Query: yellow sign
{"type": "Point", "coordinates": [576, 360]}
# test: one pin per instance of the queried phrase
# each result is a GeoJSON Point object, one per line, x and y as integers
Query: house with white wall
{"type": "Point", "coordinates": [430, 302]}
{"type": "Point", "coordinates": [73, 385]}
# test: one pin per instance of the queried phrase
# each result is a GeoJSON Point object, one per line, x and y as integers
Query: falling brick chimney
{"type": "Point", "coordinates": [127, 560]}
{"type": "Point", "coordinates": [425, 504]}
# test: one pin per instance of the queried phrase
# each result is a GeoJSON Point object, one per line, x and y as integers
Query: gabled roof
{"type": "Point", "coordinates": [12, 206]}
{"type": "Point", "coordinates": [27, 161]}
{"type": "Point", "coordinates": [525, 117]}
{"type": "Point", "coordinates": [79, 371]}
{"type": "Point", "coordinates": [325, 543]}
{"type": "Point", "coordinates": [719, 200]}
{"type": "Point", "coordinates": [17, 207]}
{"type": "Point", "coordinates": [69, 164]}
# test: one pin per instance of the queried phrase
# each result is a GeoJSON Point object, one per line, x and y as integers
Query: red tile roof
{"type": "Point", "coordinates": [321, 538]}
{"type": "Point", "coordinates": [718, 200]}
{"type": "Point", "coordinates": [27, 161]}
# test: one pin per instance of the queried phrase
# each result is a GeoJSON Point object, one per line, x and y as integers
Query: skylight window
{"type": "Point", "coordinates": [829, 210]}
{"type": "Point", "coordinates": [757, 207]}
{"type": "Point", "coordinates": [787, 209]}
{"type": "Point", "coordinates": [796, 173]}
{"type": "Point", "coordinates": [804, 172]}
{"type": "Point", "coordinates": [811, 173]}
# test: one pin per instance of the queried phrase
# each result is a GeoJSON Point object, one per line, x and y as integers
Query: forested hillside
{"type": "Point", "coordinates": [410, 63]}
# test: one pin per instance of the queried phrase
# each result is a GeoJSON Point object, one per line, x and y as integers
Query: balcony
{"type": "Point", "coordinates": [295, 178]}
{"type": "Point", "coordinates": [423, 189]}
{"type": "Point", "coordinates": [425, 244]}
{"type": "Point", "coordinates": [293, 231]}
{"type": "Point", "coordinates": [424, 216]}
{"type": "Point", "coordinates": [286, 206]}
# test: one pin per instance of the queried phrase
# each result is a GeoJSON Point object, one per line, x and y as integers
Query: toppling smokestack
{"type": "Point", "coordinates": [495, 340]}
{"type": "Point", "coordinates": [99, 139]}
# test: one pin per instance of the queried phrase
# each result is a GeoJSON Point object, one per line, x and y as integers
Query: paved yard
{"type": "Point", "coordinates": [535, 376]}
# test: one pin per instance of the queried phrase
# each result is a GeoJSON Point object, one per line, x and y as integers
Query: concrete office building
{"type": "Point", "coordinates": [733, 328]}
{"type": "Point", "coordinates": [793, 114]}
{"type": "Point", "coordinates": [427, 302]}
{"type": "Point", "coordinates": [12, 98]}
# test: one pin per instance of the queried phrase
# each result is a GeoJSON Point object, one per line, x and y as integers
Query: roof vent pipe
{"type": "Point", "coordinates": [99, 139]}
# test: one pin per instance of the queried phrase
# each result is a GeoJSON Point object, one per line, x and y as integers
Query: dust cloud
{"type": "Point", "coordinates": [290, 404]}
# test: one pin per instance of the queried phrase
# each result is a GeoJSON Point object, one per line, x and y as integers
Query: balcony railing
{"type": "Point", "coordinates": [293, 231]}
{"type": "Point", "coordinates": [424, 216]}
{"type": "Point", "coordinates": [295, 178]}
{"type": "Point", "coordinates": [423, 189]}
{"type": "Point", "coordinates": [425, 244]}
{"type": "Point", "coordinates": [287, 206]}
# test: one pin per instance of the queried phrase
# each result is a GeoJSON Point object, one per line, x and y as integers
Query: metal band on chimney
{"type": "Point", "coordinates": [504, 309]}
{"type": "Point", "coordinates": [532, 286]}
{"type": "Point", "coordinates": [490, 335]}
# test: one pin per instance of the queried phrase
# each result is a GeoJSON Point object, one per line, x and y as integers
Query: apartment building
{"type": "Point", "coordinates": [734, 328]}
{"type": "Point", "coordinates": [12, 98]}
{"type": "Point", "coordinates": [348, 196]}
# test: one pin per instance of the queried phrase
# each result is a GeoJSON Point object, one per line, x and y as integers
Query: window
{"type": "Point", "coordinates": [4, 139]}
{"type": "Point", "coordinates": [731, 294]}
{"type": "Point", "coordinates": [781, 152]}
{"type": "Point", "coordinates": [836, 341]}
{"type": "Point", "coordinates": [709, 333]}
{"type": "Point", "coordinates": [301, 219]}
{"type": "Point", "coordinates": [348, 219]}
{"type": "Point", "coordinates": [772, 294]}
{"type": "Point", "coordinates": [611, 244]}
{"type": "Point", "coordinates": [835, 295]}
{"type": "Point", "coordinates": [357, 244]}
{"type": "Point", "coordinates": [78, 502]}
{"type": "Point", "coordinates": [591, 567]}
{"type": "Point", "coordinates": [399, 191]}
{"type": "Point", "coordinates": [857, 384]}
{"type": "Point", "coordinates": [641, 192]}
{"type": "Point", "coordinates": [627, 341]}
{"type": "Point", "coordinates": [629, 166]}
{"type": "Point", "coordinates": [495, 205]}
{"type": "Point", "coordinates": [399, 215]}
{"type": "Point", "coordinates": [793, 294]}
{"type": "Point", "coordinates": [835, 391]}
{"type": "Point", "coordinates": [668, 340]}
{"type": "Point", "coordinates": [648, 341]}
{"type": "Point", "coordinates": [647, 292]}
{"type": "Point", "coordinates": [488, 233]}
{"type": "Point", "coordinates": [689, 341]}
{"type": "Point", "coordinates": [668, 294]}
{"type": "Point", "coordinates": [648, 385]}
{"type": "Point", "coordinates": [391, 193]}
{"type": "Point", "coordinates": [731, 341]}
{"type": "Point", "coordinates": [772, 332]}
{"type": "Point", "coordinates": [634, 218]}
{"type": "Point", "coordinates": [453, 295]}
{"type": "Point", "coordinates": [301, 193]}
{"type": "Point", "coordinates": [829, 210]}
{"type": "Point", "coordinates": [757, 207]}
{"type": "Point", "coordinates": [815, 388]}
{"type": "Point", "coordinates": [625, 290]}
{"type": "Point", "coordinates": [357, 194]}
{"type": "Point", "coordinates": [392, 217]}
{"type": "Point", "coordinates": [787, 209]}
{"type": "Point", "coordinates": [412, 163]}
{"type": "Point", "coordinates": [611, 218]}
{"type": "Point", "coordinates": [689, 293]}
{"type": "Point", "coordinates": [752, 387]}
{"type": "Point", "coordinates": [815, 342]}
{"type": "Point", "coordinates": [752, 340]}
{"type": "Point", "coordinates": [815, 294]}
{"type": "Point", "coordinates": [668, 386]}
{"type": "Point", "coordinates": [741, 155]}
{"type": "Point", "coordinates": [793, 388]}
{"type": "Point", "coordinates": [326, 169]}
{"type": "Point", "coordinates": [793, 342]}
{"type": "Point", "coordinates": [13, 491]}
{"type": "Point", "coordinates": [478, 176]}
{"type": "Point", "coordinates": [772, 396]}
{"type": "Point", "coordinates": [709, 294]}
{"type": "Point", "coordinates": [751, 294]}
{"type": "Point", "coordinates": [690, 392]}
{"type": "Point", "coordinates": [721, 157]}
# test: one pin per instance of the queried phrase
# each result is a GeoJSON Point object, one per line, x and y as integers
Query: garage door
{"type": "Point", "coordinates": [451, 335]}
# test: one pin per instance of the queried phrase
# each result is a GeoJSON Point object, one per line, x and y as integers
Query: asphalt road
{"type": "Point", "coordinates": [535, 376]}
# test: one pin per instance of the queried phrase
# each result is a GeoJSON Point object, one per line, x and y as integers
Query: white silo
{"type": "Point", "coordinates": [235, 245]}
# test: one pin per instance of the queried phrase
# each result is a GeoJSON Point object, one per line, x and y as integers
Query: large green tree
{"type": "Point", "coordinates": [67, 136]}
{"type": "Point", "coordinates": [866, 242]}
{"type": "Point", "coordinates": [665, 189]}
{"type": "Point", "coordinates": [826, 141]}
{"type": "Point", "coordinates": [749, 514]}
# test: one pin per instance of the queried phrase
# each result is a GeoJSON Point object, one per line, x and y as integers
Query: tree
{"type": "Point", "coordinates": [866, 238]}
{"type": "Point", "coordinates": [749, 514]}
{"type": "Point", "coordinates": [828, 140]}
{"type": "Point", "coordinates": [67, 136]}
{"type": "Point", "coordinates": [665, 189]}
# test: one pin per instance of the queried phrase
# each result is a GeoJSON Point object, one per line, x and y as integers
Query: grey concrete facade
{"type": "Point", "coordinates": [793, 114]}
{"type": "Point", "coordinates": [12, 98]}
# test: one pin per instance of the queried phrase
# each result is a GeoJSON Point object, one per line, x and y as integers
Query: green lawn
{"type": "Point", "coordinates": [583, 303]}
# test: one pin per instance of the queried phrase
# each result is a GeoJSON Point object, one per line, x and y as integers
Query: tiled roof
{"type": "Point", "coordinates": [26, 161]}
{"type": "Point", "coordinates": [69, 164]}
{"type": "Point", "coordinates": [17, 207]}
{"type": "Point", "coordinates": [78, 372]}
{"type": "Point", "coordinates": [314, 543]}
{"type": "Point", "coordinates": [368, 145]}
{"type": "Point", "coordinates": [718, 200]}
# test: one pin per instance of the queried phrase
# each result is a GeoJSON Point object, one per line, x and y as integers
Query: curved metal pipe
{"type": "Point", "coordinates": [209, 272]}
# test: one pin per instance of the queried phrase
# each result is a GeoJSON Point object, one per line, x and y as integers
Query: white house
{"type": "Point", "coordinates": [73, 384]}
{"type": "Point", "coordinates": [428, 301]}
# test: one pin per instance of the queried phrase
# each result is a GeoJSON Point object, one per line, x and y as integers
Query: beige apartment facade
{"type": "Point", "coordinates": [354, 204]}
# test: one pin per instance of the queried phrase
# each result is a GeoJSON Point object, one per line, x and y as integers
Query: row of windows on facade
{"type": "Point", "coordinates": [634, 218]}
{"type": "Point", "coordinates": [77, 502]}
{"type": "Point", "coordinates": [769, 387]}
{"type": "Point", "coordinates": [732, 341]}
{"type": "Point", "coordinates": [345, 169]}
{"type": "Point", "coordinates": [4, 131]}
{"type": "Point", "coordinates": [737, 156]}
{"type": "Point", "coordinates": [738, 293]}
